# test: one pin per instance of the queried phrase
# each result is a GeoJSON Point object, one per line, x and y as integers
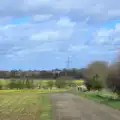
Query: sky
{"type": "Point", "coordinates": [42, 34]}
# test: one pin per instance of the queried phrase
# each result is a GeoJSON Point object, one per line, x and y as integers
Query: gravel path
{"type": "Point", "coordinates": [67, 106]}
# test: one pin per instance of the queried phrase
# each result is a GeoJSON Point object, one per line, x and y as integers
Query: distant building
{"type": "Point", "coordinates": [56, 71]}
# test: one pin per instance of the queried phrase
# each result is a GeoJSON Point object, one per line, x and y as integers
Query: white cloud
{"type": "Point", "coordinates": [46, 35]}
{"type": "Point", "coordinates": [108, 36]}
{"type": "Point", "coordinates": [62, 30]}
{"type": "Point", "coordinates": [57, 27]}
{"type": "Point", "coordinates": [99, 10]}
{"type": "Point", "coordinates": [65, 22]}
{"type": "Point", "coordinates": [41, 17]}
{"type": "Point", "coordinates": [99, 52]}
{"type": "Point", "coordinates": [52, 35]}
{"type": "Point", "coordinates": [29, 38]}
{"type": "Point", "coordinates": [77, 48]}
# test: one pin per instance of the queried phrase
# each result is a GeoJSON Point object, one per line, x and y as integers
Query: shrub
{"type": "Point", "coordinates": [113, 81]}
{"type": "Point", "coordinates": [12, 84]}
{"type": "Point", "coordinates": [94, 83]}
{"type": "Point", "coordinates": [50, 84]}
{"type": "Point", "coordinates": [63, 82]}
{"type": "Point", "coordinates": [1, 87]}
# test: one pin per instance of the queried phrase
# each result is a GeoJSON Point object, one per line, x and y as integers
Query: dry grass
{"type": "Point", "coordinates": [23, 105]}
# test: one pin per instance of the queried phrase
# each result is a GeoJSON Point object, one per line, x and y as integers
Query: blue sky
{"type": "Point", "coordinates": [41, 34]}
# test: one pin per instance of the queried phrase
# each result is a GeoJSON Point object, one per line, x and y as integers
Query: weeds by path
{"type": "Point", "coordinates": [106, 98]}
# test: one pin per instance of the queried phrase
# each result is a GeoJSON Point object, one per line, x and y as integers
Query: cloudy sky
{"type": "Point", "coordinates": [41, 34]}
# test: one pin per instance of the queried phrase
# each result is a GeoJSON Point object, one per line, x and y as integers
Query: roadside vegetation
{"type": "Point", "coordinates": [103, 97]}
{"type": "Point", "coordinates": [102, 83]}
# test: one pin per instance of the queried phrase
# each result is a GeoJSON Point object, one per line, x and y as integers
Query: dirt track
{"type": "Point", "coordinates": [67, 106]}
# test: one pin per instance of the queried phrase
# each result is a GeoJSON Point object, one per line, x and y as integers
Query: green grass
{"type": "Point", "coordinates": [46, 108]}
{"type": "Point", "coordinates": [24, 105]}
{"type": "Point", "coordinates": [106, 98]}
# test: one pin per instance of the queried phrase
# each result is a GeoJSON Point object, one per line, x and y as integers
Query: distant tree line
{"type": "Point", "coordinates": [40, 74]}
{"type": "Point", "coordinates": [97, 75]}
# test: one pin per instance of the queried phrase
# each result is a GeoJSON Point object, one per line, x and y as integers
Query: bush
{"type": "Point", "coordinates": [60, 83]}
{"type": "Point", "coordinates": [12, 84]}
{"type": "Point", "coordinates": [0, 87]}
{"type": "Point", "coordinates": [20, 84]}
{"type": "Point", "coordinates": [63, 82]}
{"type": "Point", "coordinates": [50, 84]}
{"type": "Point", "coordinates": [113, 81]}
{"type": "Point", "coordinates": [94, 83]}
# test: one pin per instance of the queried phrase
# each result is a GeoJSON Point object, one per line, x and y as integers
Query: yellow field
{"type": "Point", "coordinates": [39, 82]}
{"type": "Point", "coordinates": [78, 81]}
{"type": "Point", "coordinates": [34, 90]}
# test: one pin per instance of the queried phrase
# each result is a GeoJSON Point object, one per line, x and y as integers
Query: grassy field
{"type": "Point", "coordinates": [24, 106]}
{"type": "Point", "coordinates": [102, 97]}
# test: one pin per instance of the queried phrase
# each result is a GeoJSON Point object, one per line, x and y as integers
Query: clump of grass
{"type": "Point", "coordinates": [107, 98]}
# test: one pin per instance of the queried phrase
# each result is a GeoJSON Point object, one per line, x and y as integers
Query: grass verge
{"type": "Point", "coordinates": [46, 108]}
{"type": "Point", "coordinates": [101, 97]}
